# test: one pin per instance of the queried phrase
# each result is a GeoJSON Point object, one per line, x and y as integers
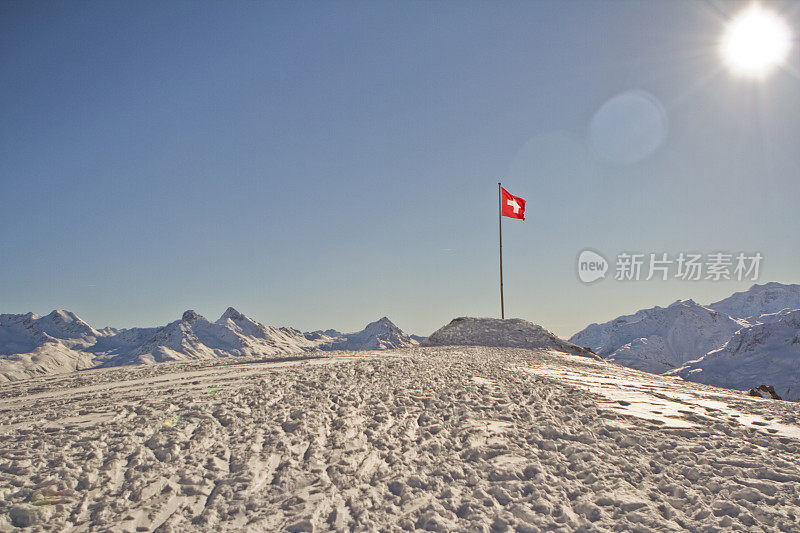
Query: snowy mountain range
{"type": "Point", "coordinates": [768, 298]}
{"type": "Point", "coordinates": [745, 340]}
{"type": "Point", "coordinates": [765, 353]}
{"type": "Point", "coordinates": [62, 342]}
{"type": "Point", "coordinates": [379, 335]}
{"type": "Point", "coordinates": [742, 341]}
{"type": "Point", "coordinates": [660, 339]}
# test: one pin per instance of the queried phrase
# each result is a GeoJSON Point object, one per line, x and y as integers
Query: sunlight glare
{"type": "Point", "coordinates": [755, 42]}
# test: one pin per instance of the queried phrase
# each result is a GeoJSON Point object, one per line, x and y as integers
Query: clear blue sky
{"type": "Point", "coordinates": [321, 164]}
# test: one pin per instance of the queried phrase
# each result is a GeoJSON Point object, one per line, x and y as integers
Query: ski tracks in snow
{"type": "Point", "coordinates": [439, 439]}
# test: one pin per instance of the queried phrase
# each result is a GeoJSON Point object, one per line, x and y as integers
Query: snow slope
{"type": "Point", "coordinates": [428, 438]}
{"type": "Point", "coordinates": [32, 345]}
{"type": "Point", "coordinates": [50, 358]}
{"type": "Point", "coordinates": [759, 300]}
{"type": "Point", "coordinates": [511, 332]}
{"type": "Point", "coordinates": [659, 339]}
{"type": "Point", "coordinates": [767, 353]}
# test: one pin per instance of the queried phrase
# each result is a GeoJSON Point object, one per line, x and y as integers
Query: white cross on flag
{"type": "Point", "coordinates": [513, 206]}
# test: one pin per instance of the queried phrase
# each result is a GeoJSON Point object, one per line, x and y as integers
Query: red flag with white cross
{"type": "Point", "coordinates": [513, 206]}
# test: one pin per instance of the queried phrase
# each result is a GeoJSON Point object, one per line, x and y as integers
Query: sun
{"type": "Point", "coordinates": [756, 41]}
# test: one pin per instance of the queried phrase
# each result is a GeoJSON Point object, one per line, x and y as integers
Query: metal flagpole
{"type": "Point", "coordinates": [500, 224]}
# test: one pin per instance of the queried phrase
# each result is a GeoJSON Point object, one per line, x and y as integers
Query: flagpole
{"type": "Point", "coordinates": [500, 225]}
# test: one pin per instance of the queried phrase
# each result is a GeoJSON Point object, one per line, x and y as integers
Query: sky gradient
{"type": "Point", "coordinates": [322, 164]}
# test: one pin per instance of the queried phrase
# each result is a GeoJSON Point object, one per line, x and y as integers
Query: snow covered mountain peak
{"type": "Point", "coordinates": [245, 326]}
{"type": "Point", "coordinates": [379, 335]}
{"type": "Point", "coordinates": [190, 316]}
{"type": "Point", "coordinates": [381, 325]}
{"type": "Point", "coordinates": [62, 342]}
{"type": "Point", "coordinates": [62, 324]}
{"type": "Point", "coordinates": [659, 339]}
{"type": "Point", "coordinates": [233, 314]}
{"type": "Point", "coordinates": [762, 299]}
{"type": "Point", "coordinates": [773, 285]}
{"type": "Point", "coordinates": [763, 353]}
{"type": "Point", "coordinates": [63, 315]}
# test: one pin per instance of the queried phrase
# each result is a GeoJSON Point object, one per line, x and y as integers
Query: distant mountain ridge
{"type": "Point", "coordinates": [747, 339]}
{"type": "Point", "coordinates": [62, 342]}
{"type": "Point", "coordinates": [765, 353]}
{"type": "Point", "coordinates": [660, 338]}
{"type": "Point", "coordinates": [742, 341]}
{"type": "Point", "coordinates": [768, 298]}
{"type": "Point", "coordinates": [379, 335]}
{"type": "Point", "coordinates": [24, 333]}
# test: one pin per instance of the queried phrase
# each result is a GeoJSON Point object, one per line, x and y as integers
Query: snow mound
{"type": "Point", "coordinates": [660, 339]}
{"type": "Point", "coordinates": [510, 333]}
{"type": "Point", "coordinates": [763, 353]}
{"type": "Point", "coordinates": [760, 300]}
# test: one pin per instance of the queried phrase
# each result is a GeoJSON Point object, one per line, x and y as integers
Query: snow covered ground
{"type": "Point", "coordinates": [435, 438]}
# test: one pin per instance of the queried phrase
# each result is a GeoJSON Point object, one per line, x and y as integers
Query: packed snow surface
{"type": "Point", "coordinates": [511, 332]}
{"type": "Point", "coordinates": [434, 438]}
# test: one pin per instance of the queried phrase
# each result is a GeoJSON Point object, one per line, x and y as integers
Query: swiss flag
{"type": "Point", "coordinates": [513, 206]}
